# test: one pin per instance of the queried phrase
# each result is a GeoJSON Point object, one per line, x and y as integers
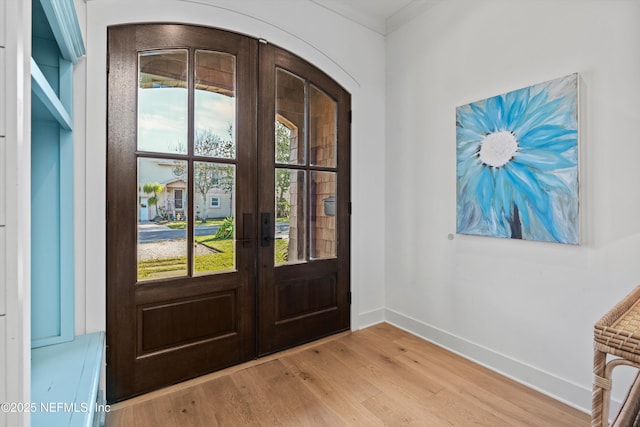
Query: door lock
{"type": "Point", "coordinates": [265, 229]}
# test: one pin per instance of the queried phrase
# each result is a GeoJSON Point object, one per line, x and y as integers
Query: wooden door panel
{"type": "Point", "coordinates": [172, 289]}
{"type": "Point", "coordinates": [161, 331]}
{"type": "Point", "coordinates": [171, 367]}
{"type": "Point", "coordinates": [303, 298]}
{"type": "Point", "coordinates": [170, 325]}
{"type": "Point", "coordinates": [305, 290]}
{"type": "Point", "coordinates": [296, 299]}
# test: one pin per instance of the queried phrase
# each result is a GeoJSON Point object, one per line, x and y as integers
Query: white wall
{"type": "Point", "coordinates": [79, 184]}
{"type": "Point", "coordinates": [524, 308]}
{"type": "Point", "coordinates": [3, 279]}
{"type": "Point", "coordinates": [15, 149]}
{"type": "Point", "coordinates": [310, 31]}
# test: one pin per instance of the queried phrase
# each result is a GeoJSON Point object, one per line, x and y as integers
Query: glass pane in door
{"type": "Point", "coordinates": [290, 118]}
{"type": "Point", "coordinates": [214, 186]}
{"type": "Point", "coordinates": [323, 122]}
{"type": "Point", "coordinates": [322, 228]}
{"type": "Point", "coordinates": [290, 228]}
{"type": "Point", "coordinates": [162, 101]}
{"type": "Point", "coordinates": [287, 147]}
{"type": "Point", "coordinates": [162, 218]}
{"type": "Point", "coordinates": [215, 104]}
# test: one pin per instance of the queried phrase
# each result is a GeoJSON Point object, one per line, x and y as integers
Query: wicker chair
{"type": "Point", "coordinates": [617, 334]}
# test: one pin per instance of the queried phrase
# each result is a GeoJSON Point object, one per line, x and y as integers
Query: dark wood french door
{"type": "Point", "coordinates": [228, 203]}
{"type": "Point", "coordinates": [303, 278]}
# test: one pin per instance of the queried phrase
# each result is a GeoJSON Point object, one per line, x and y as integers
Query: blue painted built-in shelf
{"type": "Point", "coordinates": [57, 45]}
{"type": "Point", "coordinates": [64, 383]}
{"type": "Point", "coordinates": [65, 369]}
{"type": "Point", "coordinates": [41, 88]}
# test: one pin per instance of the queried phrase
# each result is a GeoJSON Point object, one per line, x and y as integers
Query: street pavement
{"type": "Point", "coordinates": [152, 232]}
{"type": "Point", "coordinates": [148, 233]}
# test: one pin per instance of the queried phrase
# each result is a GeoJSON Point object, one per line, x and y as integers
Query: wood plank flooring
{"type": "Point", "coordinates": [379, 376]}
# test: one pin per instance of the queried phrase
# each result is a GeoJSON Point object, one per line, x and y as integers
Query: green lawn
{"type": "Point", "coordinates": [282, 249]}
{"type": "Point", "coordinates": [222, 260]}
{"type": "Point", "coordinates": [218, 261]}
{"type": "Point", "coordinates": [159, 268]}
{"type": "Point", "coordinates": [181, 225]}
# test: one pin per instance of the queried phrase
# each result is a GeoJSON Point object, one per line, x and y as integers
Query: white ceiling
{"type": "Point", "coordinates": [381, 16]}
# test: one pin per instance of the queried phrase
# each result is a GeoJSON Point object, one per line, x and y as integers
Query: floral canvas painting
{"type": "Point", "coordinates": [517, 164]}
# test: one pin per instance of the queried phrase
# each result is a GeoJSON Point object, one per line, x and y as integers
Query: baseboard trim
{"type": "Point", "coordinates": [369, 318]}
{"type": "Point", "coordinates": [574, 395]}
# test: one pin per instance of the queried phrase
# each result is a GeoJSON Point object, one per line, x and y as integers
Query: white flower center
{"type": "Point", "coordinates": [496, 149]}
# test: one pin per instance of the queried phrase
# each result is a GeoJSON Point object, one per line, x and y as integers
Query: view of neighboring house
{"type": "Point", "coordinates": [169, 200]}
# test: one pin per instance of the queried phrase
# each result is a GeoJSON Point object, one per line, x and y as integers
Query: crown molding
{"type": "Point", "coordinates": [63, 20]}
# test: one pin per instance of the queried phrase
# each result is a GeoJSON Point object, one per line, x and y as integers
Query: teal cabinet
{"type": "Point", "coordinates": [65, 369]}
{"type": "Point", "coordinates": [56, 46]}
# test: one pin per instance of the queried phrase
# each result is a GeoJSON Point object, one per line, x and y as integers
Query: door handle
{"type": "Point", "coordinates": [265, 229]}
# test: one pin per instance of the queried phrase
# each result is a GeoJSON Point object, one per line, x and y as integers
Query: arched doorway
{"type": "Point", "coordinates": [195, 293]}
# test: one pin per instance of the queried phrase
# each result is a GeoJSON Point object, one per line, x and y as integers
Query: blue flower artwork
{"type": "Point", "coordinates": [517, 164]}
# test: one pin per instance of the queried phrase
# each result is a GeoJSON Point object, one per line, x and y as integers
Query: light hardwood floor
{"type": "Point", "coordinates": [374, 377]}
